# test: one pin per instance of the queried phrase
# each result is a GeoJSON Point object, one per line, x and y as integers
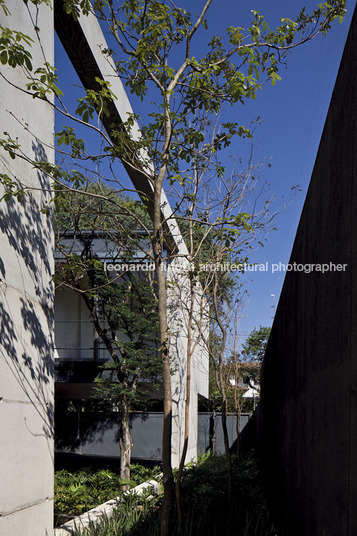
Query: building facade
{"type": "Point", "coordinates": [26, 295]}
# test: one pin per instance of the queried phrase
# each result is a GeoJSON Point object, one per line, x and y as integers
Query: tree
{"type": "Point", "coordinates": [252, 355]}
{"type": "Point", "coordinates": [155, 57]}
{"type": "Point", "coordinates": [254, 346]}
{"type": "Point", "coordinates": [216, 250]}
{"type": "Point", "coordinates": [122, 305]}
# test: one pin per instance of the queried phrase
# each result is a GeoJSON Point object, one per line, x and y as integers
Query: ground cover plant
{"type": "Point", "coordinates": [207, 509]}
{"type": "Point", "coordinates": [77, 491]}
{"type": "Point", "coordinates": [205, 505]}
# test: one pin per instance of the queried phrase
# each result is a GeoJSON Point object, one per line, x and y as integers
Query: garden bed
{"type": "Point", "coordinates": [80, 490]}
{"type": "Point", "coordinates": [205, 505]}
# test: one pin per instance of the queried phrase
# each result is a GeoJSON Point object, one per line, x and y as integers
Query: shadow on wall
{"type": "Point", "coordinates": [26, 303]}
{"type": "Point", "coordinates": [76, 428]}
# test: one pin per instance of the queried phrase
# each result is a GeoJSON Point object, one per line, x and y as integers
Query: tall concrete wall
{"type": "Point", "coordinates": [307, 425]}
{"type": "Point", "coordinates": [97, 434]}
{"type": "Point", "coordinates": [26, 320]}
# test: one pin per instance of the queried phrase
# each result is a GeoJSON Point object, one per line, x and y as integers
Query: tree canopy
{"type": "Point", "coordinates": [255, 345]}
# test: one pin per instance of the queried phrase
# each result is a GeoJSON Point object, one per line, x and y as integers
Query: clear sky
{"type": "Point", "coordinates": [293, 115]}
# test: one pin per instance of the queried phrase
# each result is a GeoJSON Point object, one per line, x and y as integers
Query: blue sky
{"type": "Point", "coordinates": [293, 115]}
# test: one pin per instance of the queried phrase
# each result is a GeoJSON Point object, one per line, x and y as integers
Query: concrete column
{"type": "Point", "coordinates": [26, 295]}
{"type": "Point", "coordinates": [178, 305]}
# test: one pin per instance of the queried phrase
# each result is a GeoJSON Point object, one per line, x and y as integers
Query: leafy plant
{"type": "Point", "coordinates": [78, 491]}
{"type": "Point", "coordinates": [205, 506]}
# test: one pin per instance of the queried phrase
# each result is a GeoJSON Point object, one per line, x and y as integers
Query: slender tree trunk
{"type": "Point", "coordinates": [168, 480]}
{"type": "Point", "coordinates": [221, 386]}
{"type": "Point", "coordinates": [226, 449]}
{"type": "Point", "coordinates": [237, 404]}
{"type": "Point", "coordinates": [157, 242]}
{"type": "Point", "coordinates": [212, 432]}
{"type": "Point", "coordinates": [125, 443]}
{"type": "Point", "coordinates": [185, 445]}
{"type": "Point", "coordinates": [187, 409]}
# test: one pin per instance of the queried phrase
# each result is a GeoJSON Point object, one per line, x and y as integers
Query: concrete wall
{"type": "Point", "coordinates": [307, 427]}
{"type": "Point", "coordinates": [179, 301]}
{"type": "Point", "coordinates": [97, 434]}
{"type": "Point", "coordinates": [26, 319]}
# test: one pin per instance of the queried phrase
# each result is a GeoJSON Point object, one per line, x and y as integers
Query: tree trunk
{"type": "Point", "coordinates": [187, 408]}
{"type": "Point", "coordinates": [168, 480]}
{"type": "Point", "coordinates": [157, 243]}
{"type": "Point", "coordinates": [125, 443]}
{"type": "Point", "coordinates": [237, 405]}
{"type": "Point", "coordinates": [212, 432]}
{"type": "Point", "coordinates": [226, 448]}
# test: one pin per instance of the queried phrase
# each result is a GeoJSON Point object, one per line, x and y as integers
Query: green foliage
{"type": "Point", "coordinates": [44, 83]}
{"type": "Point", "coordinates": [151, 36]}
{"type": "Point", "coordinates": [97, 207]}
{"type": "Point", "coordinates": [244, 366]}
{"type": "Point", "coordinates": [140, 473]}
{"type": "Point", "coordinates": [135, 516]}
{"type": "Point", "coordinates": [9, 145]}
{"type": "Point", "coordinates": [255, 345]}
{"type": "Point", "coordinates": [205, 506]}
{"type": "Point", "coordinates": [12, 188]}
{"type": "Point", "coordinates": [76, 7]}
{"type": "Point", "coordinates": [79, 491]}
{"type": "Point", "coordinates": [13, 46]}
{"type": "Point", "coordinates": [95, 100]}
{"type": "Point", "coordinates": [4, 7]}
{"type": "Point", "coordinates": [75, 493]}
{"type": "Point", "coordinates": [123, 306]}
{"type": "Point", "coordinates": [148, 31]}
{"type": "Point", "coordinates": [130, 309]}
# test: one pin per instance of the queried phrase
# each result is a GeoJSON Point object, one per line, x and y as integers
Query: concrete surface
{"type": "Point", "coordinates": [26, 299]}
{"type": "Point", "coordinates": [307, 426]}
{"type": "Point", "coordinates": [97, 434]}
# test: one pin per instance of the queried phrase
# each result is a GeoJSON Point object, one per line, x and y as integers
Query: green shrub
{"type": "Point", "coordinates": [136, 515]}
{"type": "Point", "coordinates": [79, 491]}
{"type": "Point", "coordinates": [206, 511]}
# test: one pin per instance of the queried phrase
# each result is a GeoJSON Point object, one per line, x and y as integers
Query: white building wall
{"type": "Point", "coordinates": [26, 300]}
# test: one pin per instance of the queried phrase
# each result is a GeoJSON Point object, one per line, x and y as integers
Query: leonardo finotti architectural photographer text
{"type": "Point", "coordinates": [306, 268]}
